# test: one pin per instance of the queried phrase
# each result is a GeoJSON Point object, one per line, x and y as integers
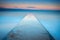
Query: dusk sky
{"type": "Point", "coordinates": [31, 4]}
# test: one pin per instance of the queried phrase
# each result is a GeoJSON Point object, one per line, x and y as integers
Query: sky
{"type": "Point", "coordinates": [31, 4]}
{"type": "Point", "coordinates": [54, 1]}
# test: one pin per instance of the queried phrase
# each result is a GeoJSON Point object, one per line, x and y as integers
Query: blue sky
{"type": "Point", "coordinates": [29, 1]}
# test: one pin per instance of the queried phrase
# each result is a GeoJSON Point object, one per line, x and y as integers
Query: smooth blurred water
{"type": "Point", "coordinates": [49, 19]}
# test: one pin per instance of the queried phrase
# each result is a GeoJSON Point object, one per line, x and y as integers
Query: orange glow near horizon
{"type": "Point", "coordinates": [30, 6]}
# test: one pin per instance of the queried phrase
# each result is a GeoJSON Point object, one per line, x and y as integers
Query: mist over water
{"type": "Point", "coordinates": [9, 20]}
